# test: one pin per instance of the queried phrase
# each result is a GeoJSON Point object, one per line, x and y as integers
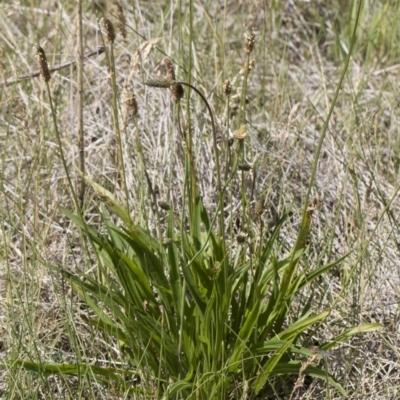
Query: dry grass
{"type": "Point", "coordinates": [297, 65]}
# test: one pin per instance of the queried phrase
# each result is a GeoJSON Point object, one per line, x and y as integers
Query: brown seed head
{"type": "Point", "coordinates": [43, 66]}
{"type": "Point", "coordinates": [163, 205]}
{"type": "Point", "coordinates": [252, 64]}
{"type": "Point", "coordinates": [244, 167]}
{"type": "Point", "coordinates": [132, 103]}
{"type": "Point", "coordinates": [315, 204]}
{"type": "Point", "coordinates": [247, 68]}
{"type": "Point", "coordinates": [129, 102]}
{"type": "Point", "coordinates": [18, 107]}
{"type": "Point", "coordinates": [121, 20]}
{"type": "Point", "coordinates": [241, 237]}
{"type": "Point", "coordinates": [177, 92]}
{"type": "Point", "coordinates": [109, 29]}
{"type": "Point", "coordinates": [227, 87]}
{"type": "Point", "coordinates": [169, 66]}
{"type": "Point", "coordinates": [249, 41]}
{"type": "Point", "coordinates": [160, 82]}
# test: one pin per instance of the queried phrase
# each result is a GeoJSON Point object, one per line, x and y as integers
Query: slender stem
{"type": "Point", "coordinates": [328, 117]}
{"type": "Point", "coordinates": [60, 147]}
{"type": "Point", "coordinates": [81, 138]}
{"type": "Point", "coordinates": [300, 236]}
{"type": "Point", "coordinates": [242, 118]}
{"type": "Point", "coordinates": [228, 160]}
{"type": "Point", "coordinates": [242, 115]}
{"type": "Point", "coordinates": [219, 183]}
{"type": "Point", "coordinates": [189, 140]}
{"type": "Point", "coordinates": [119, 159]}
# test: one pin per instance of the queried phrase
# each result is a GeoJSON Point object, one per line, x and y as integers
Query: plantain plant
{"type": "Point", "coordinates": [185, 325]}
{"type": "Point", "coordinates": [194, 313]}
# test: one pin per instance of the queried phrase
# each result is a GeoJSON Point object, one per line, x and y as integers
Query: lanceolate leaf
{"type": "Point", "coordinates": [293, 367]}
{"type": "Point", "coordinates": [109, 199]}
{"type": "Point", "coordinates": [77, 370]}
{"type": "Point", "coordinates": [270, 366]}
{"type": "Point", "coordinates": [351, 332]}
{"type": "Point", "coordinates": [302, 324]}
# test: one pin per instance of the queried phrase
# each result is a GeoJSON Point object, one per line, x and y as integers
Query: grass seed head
{"type": "Point", "coordinates": [177, 92]}
{"type": "Point", "coordinates": [227, 88]}
{"type": "Point", "coordinates": [109, 29]}
{"type": "Point", "coordinates": [241, 237]}
{"type": "Point", "coordinates": [164, 205]}
{"type": "Point", "coordinates": [315, 204]}
{"type": "Point", "coordinates": [247, 68]}
{"type": "Point", "coordinates": [244, 167]}
{"type": "Point", "coordinates": [249, 41]}
{"type": "Point", "coordinates": [129, 103]}
{"type": "Point", "coordinates": [160, 82]}
{"type": "Point", "coordinates": [43, 66]}
{"type": "Point", "coordinates": [169, 66]}
{"type": "Point", "coordinates": [121, 20]}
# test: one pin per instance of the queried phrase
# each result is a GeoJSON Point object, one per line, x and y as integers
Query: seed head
{"type": "Point", "coordinates": [177, 92]}
{"type": "Point", "coordinates": [244, 167]}
{"type": "Point", "coordinates": [241, 237]}
{"type": "Point", "coordinates": [43, 66]}
{"type": "Point", "coordinates": [249, 41]}
{"type": "Point", "coordinates": [131, 102]}
{"type": "Point", "coordinates": [227, 88]}
{"type": "Point", "coordinates": [169, 68]}
{"type": "Point", "coordinates": [109, 28]}
{"type": "Point", "coordinates": [130, 106]}
{"type": "Point", "coordinates": [247, 68]}
{"type": "Point", "coordinates": [121, 20]}
{"type": "Point", "coordinates": [163, 205]}
{"type": "Point", "coordinates": [252, 64]}
{"type": "Point", "coordinates": [315, 204]}
{"type": "Point", "coordinates": [160, 82]}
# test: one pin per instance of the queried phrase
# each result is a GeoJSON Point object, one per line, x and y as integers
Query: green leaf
{"type": "Point", "coordinates": [172, 261]}
{"type": "Point", "coordinates": [270, 366]}
{"type": "Point", "coordinates": [178, 387]}
{"type": "Point", "coordinates": [247, 329]}
{"type": "Point", "coordinates": [76, 370]}
{"type": "Point", "coordinates": [293, 367]}
{"type": "Point", "coordinates": [301, 325]}
{"type": "Point", "coordinates": [351, 332]}
{"type": "Point", "coordinates": [109, 199]}
{"type": "Point", "coordinates": [307, 279]}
